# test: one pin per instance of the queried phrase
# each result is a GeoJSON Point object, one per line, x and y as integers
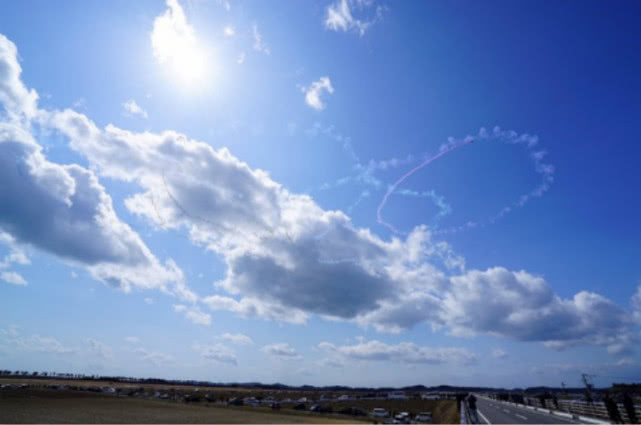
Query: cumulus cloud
{"type": "Point", "coordinates": [289, 258]}
{"type": "Point", "coordinates": [340, 15]}
{"type": "Point", "coordinates": [522, 306]}
{"type": "Point", "coordinates": [63, 209]}
{"type": "Point", "coordinates": [240, 339]}
{"type": "Point", "coordinates": [281, 351]}
{"type": "Point", "coordinates": [286, 257]}
{"type": "Point", "coordinates": [132, 108]}
{"type": "Point", "coordinates": [15, 255]}
{"type": "Point", "coordinates": [313, 92]}
{"type": "Point", "coordinates": [217, 352]}
{"type": "Point", "coordinates": [405, 352]}
{"type": "Point", "coordinates": [18, 101]}
{"type": "Point", "coordinates": [259, 44]}
{"type": "Point", "coordinates": [194, 314]}
{"type": "Point", "coordinates": [14, 278]}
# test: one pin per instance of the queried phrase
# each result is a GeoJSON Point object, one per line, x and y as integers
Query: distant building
{"type": "Point", "coordinates": [397, 395]}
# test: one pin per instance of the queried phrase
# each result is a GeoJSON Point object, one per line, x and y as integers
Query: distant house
{"type": "Point", "coordinates": [343, 397]}
{"type": "Point", "coordinates": [430, 396]}
{"type": "Point", "coordinates": [397, 395]}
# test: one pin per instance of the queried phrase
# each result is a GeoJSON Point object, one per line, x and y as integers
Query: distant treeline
{"type": "Point", "coordinates": [634, 388]}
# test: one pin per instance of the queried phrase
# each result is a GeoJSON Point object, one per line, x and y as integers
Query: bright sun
{"type": "Point", "coordinates": [175, 44]}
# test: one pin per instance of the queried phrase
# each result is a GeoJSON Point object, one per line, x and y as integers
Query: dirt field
{"type": "Point", "coordinates": [54, 401]}
{"type": "Point", "coordinates": [33, 406]}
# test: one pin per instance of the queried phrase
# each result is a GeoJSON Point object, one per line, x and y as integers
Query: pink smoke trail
{"type": "Point", "coordinates": [428, 161]}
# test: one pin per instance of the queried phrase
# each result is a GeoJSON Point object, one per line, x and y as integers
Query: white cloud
{"type": "Point", "coordinates": [132, 339]}
{"type": "Point", "coordinates": [240, 339]}
{"type": "Point", "coordinates": [132, 108]}
{"type": "Point", "coordinates": [329, 362]}
{"type": "Point", "coordinates": [251, 307]}
{"type": "Point", "coordinates": [18, 101]}
{"type": "Point", "coordinates": [35, 343]}
{"type": "Point", "coordinates": [216, 352]}
{"type": "Point", "coordinates": [241, 58]}
{"type": "Point", "coordinates": [282, 351]}
{"type": "Point", "coordinates": [313, 92]}
{"type": "Point", "coordinates": [154, 357]}
{"type": "Point", "coordinates": [340, 15]}
{"type": "Point", "coordinates": [16, 255]}
{"type": "Point", "coordinates": [13, 278]}
{"type": "Point", "coordinates": [229, 31]}
{"type": "Point", "coordinates": [499, 353]}
{"type": "Point", "coordinates": [99, 349]}
{"type": "Point", "coordinates": [636, 305]}
{"type": "Point", "coordinates": [63, 209]}
{"type": "Point", "coordinates": [225, 4]}
{"type": "Point", "coordinates": [259, 44]}
{"type": "Point", "coordinates": [174, 43]}
{"type": "Point", "coordinates": [194, 314]}
{"type": "Point", "coordinates": [522, 306]}
{"type": "Point", "coordinates": [149, 300]}
{"type": "Point", "coordinates": [286, 257]}
{"type": "Point", "coordinates": [316, 261]}
{"type": "Point", "coordinates": [405, 352]}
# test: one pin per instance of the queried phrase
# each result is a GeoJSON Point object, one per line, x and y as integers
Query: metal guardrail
{"type": "Point", "coordinates": [579, 407]}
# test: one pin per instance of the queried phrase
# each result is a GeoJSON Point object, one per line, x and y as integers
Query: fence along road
{"type": "Point", "coordinates": [494, 412]}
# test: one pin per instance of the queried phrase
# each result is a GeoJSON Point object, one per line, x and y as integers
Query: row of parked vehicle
{"type": "Point", "coordinates": [402, 417]}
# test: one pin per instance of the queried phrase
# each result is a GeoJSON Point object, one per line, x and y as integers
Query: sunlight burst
{"type": "Point", "coordinates": [175, 44]}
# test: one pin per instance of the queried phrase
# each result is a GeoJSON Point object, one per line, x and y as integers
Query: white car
{"type": "Point", "coordinates": [379, 412]}
{"type": "Point", "coordinates": [423, 417]}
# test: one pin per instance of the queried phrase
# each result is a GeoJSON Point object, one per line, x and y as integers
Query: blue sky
{"type": "Point", "coordinates": [190, 190]}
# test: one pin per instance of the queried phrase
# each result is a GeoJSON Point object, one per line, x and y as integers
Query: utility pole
{"type": "Point", "coordinates": [588, 386]}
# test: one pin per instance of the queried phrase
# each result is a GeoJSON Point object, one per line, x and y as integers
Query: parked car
{"type": "Point", "coordinates": [423, 418]}
{"type": "Point", "coordinates": [234, 401]}
{"type": "Point", "coordinates": [353, 411]}
{"type": "Point", "coordinates": [300, 406]}
{"type": "Point", "coordinates": [379, 412]}
{"type": "Point", "coordinates": [402, 418]}
{"type": "Point", "coordinates": [320, 409]}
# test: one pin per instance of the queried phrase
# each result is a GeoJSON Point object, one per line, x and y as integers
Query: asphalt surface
{"type": "Point", "coordinates": [500, 413]}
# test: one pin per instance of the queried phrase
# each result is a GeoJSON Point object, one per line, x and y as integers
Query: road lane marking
{"type": "Point", "coordinates": [483, 417]}
{"type": "Point", "coordinates": [506, 411]}
{"type": "Point", "coordinates": [520, 416]}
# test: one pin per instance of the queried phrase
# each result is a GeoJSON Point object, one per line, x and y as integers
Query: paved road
{"type": "Point", "coordinates": [501, 413]}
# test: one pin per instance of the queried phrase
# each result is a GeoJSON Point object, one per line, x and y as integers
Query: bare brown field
{"type": "Point", "coordinates": [39, 406]}
{"type": "Point", "coordinates": [148, 409]}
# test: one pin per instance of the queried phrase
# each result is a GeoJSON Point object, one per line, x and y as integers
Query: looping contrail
{"type": "Point", "coordinates": [393, 187]}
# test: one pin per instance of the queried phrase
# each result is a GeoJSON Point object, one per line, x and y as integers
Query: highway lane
{"type": "Point", "coordinates": [500, 413]}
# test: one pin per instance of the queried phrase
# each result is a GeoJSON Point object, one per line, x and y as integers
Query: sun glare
{"type": "Point", "coordinates": [175, 45]}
